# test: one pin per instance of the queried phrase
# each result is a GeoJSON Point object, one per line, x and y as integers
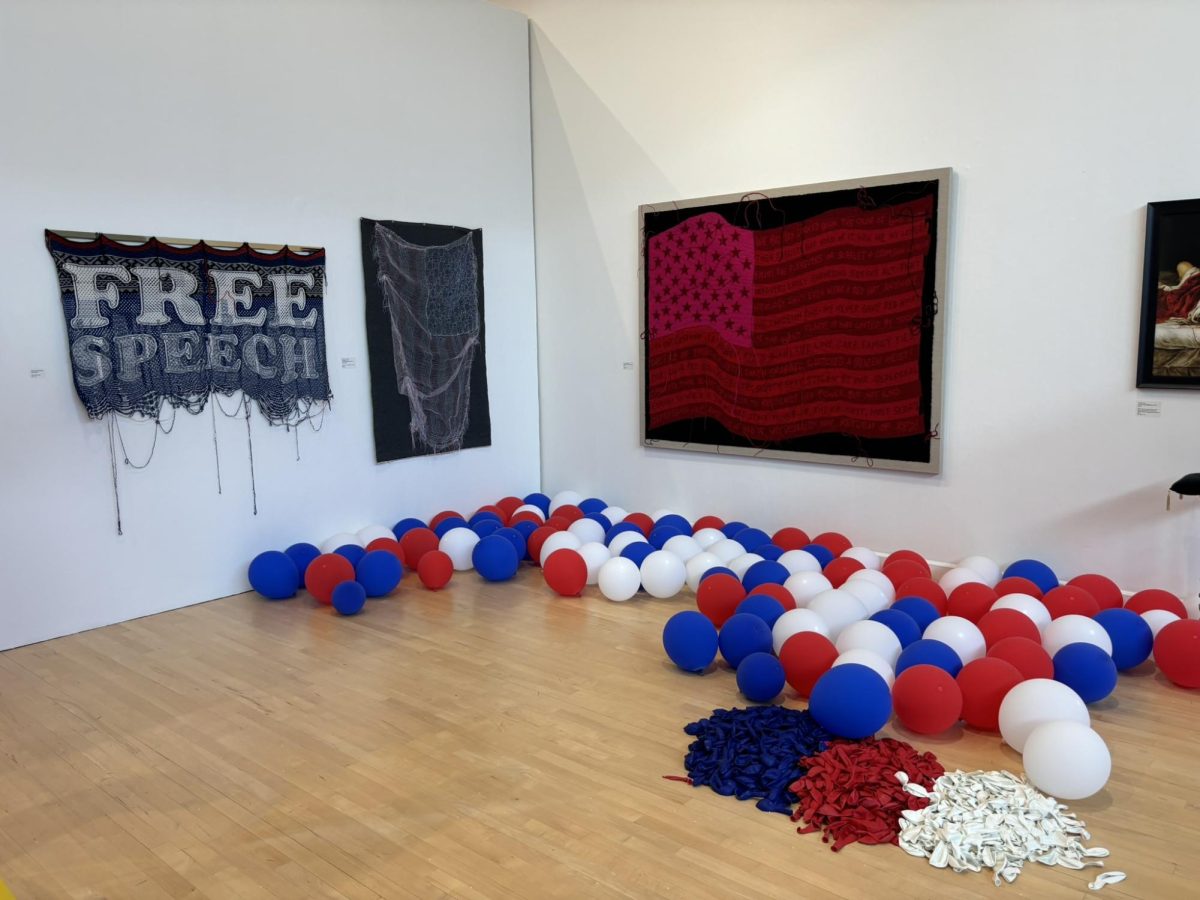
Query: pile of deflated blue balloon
{"type": "Point", "coordinates": [754, 752]}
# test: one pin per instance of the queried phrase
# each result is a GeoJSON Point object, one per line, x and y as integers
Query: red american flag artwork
{"type": "Point", "coordinates": [801, 324]}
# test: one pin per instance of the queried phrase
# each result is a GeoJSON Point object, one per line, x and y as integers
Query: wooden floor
{"type": "Point", "coordinates": [479, 742]}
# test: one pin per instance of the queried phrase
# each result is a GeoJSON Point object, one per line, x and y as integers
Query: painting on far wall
{"type": "Point", "coordinates": [1169, 343]}
{"type": "Point", "coordinates": [800, 323]}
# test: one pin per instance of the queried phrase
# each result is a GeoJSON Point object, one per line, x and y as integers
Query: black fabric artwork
{"type": "Point", "coordinates": [425, 338]}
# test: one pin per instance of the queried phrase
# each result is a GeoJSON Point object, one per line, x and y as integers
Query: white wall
{"type": "Point", "coordinates": [267, 121]}
{"type": "Point", "coordinates": [1061, 120]}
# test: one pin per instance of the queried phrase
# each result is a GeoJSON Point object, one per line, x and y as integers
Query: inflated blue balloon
{"type": "Point", "coordinates": [301, 555]}
{"type": "Point", "coordinates": [525, 528]}
{"type": "Point", "coordinates": [378, 572]}
{"type": "Point", "coordinates": [851, 700]}
{"type": "Point", "coordinates": [481, 515]}
{"type": "Point", "coordinates": [741, 635]}
{"type": "Point", "coordinates": [722, 570]}
{"type": "Point", "coordinates": [404, 526]}
{"type": "Point", "coordinates": [673, 520]}
{"type": "Point", "coordinates": [352, 552]}
{"type": "Point", "coordinates": [765, 571]}
{"type": "Point", "coordinates": [495, 558]}
{"type": "Point", "coordinates": [637, 552]}
{"type": "Point", "coordinates": [1036, 571]}
{"type": "Point", "coordinates": [600, 520]}
{"type": "Point", "coordinates": [274, 575]}
{"type": "Point", "coordinates": [1131, 636]}
{"type": "Point", "coordinates": [764, 606]}
{"type": "Point", "coordinates": [592, 505]}
{"type": "Point", "coordinates": [349, 596]}
{"type": "Point", "coordinates": [760, 677]}
{"type": "Point", "coordinates": [484, 527]}
{"type": "Point", "coordinates": [903, 625]}
{"type": "Point", "coordinates": [446, 524]}
{"type": "Point", "coordinates": [921, 610]}
{"type": "Point", "coordinates": [661, 534]}
{"type": "Point", "coordinates": [514, 537]}
{"type": "Point", "coordinates": [823, 554]}
{"type": "Point", "coordinates": [541, 501]}
{"type": "Point", "coordinates": [1087, 670]}
{"type": "Point", "coordinates": [619, 528]}
{"type": "Point", "coordinates": [690, 640]}
{"type": "Point", "coordinates": [927, 652]}
{"type": "Point", "coordinates": [729, 529]}
{"type": "Point", "coordinates": [770, 551]}
{"type": "Point", "coordinates": [752, 538]}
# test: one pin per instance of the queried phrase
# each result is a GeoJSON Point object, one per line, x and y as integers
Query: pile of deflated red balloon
{"type": "Point", "coordinates": [850, 791]}
{"type": "Point", "coordinates": [755, 752]}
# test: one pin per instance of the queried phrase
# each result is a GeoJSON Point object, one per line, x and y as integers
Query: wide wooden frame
{"type": "Point", "coordinates": [933, 465]}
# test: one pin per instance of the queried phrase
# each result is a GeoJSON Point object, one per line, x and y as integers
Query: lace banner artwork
{"type": "Point", "coordinates": [153, 323]}
{"type": "Point", "coordinates": [425, 337]}
{"type": "Point", "coordinates": [798, 323]}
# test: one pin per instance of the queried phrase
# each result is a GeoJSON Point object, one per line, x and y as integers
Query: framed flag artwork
{"type": "Point", "coordinates": [799, 323]}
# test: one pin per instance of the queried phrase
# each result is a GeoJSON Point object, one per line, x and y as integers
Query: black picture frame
{"type": "Point", "coordinates": [1169, 338]}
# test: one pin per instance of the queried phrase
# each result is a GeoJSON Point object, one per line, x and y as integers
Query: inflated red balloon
{"type": "Point", "coordinates": [415, 543]}
{"type": "Point", "coordinates": [642, 521]}
{"type": "Point", "coordinates": [1006, 623]}
{"type": "Point", "coordinates": [1069, 600]}
{"type": "Point", "coordinates": [903, 570]}
{"type": "Point", "coordinates": [1029, 657]}
{"type": "Point", "coordinates": [1104, 590]}
{"type": "Point", "coordinates": [984, 683]}
{"type": "Point", "coordinates": [443, 516]}
{"type": "Point", "coordinates": [325, 573]}
{"type": "Point", "coordinates": [566, 572]}
{"type": "Point", "coordinates": [558, 523]}
{"type": "Point", "coordinates": [806, 656]}
{"type": "Point", "coordinates": [970, 601]}
{"type": "Point", "coordinates": [842, 568]}
{"type": "Point", "coordinates": [1153, 598]}
{"type": "Point", "coordinates": [494, 510]}
{"type": "Point", "coordinates": [790, 538]}
{"type": "Point", "coordinates": [391, 545]}
{"type": "Point", "coordinates": [537, 537]}
{"type": "Point", "coordinates": [1177, 652]}
{"type": "Point", "coordinates": [718, 596]}
{"type": "Point", "coordinates": [1017, 585]}
{"type": "Point", "coordinates": [708, 522]}
{"type": "Point", "coordinates": [909, 556]}
{"type": "Point", "coordinates": [835, 543]}
{"type": "Point", "coordinates": [568, 511]}
{"type": "Point", "coordinates": [927, 700]}
{"type": "Point", "coordinates": [926, 588]}
{"type": "Point", "coordinates": [509, 505]}
{"type": "Point", "coordinates": [435, 569]}
{"type": "Point", "coordinates": [527, 516]}
{"type": "Point", "coordinates": [778, 591]}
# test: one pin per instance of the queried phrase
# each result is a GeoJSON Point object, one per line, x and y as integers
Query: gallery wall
{"type": "Point", "coordinates": [1061, 120]}
{"type": "Point", "coordinates": [274, 122]}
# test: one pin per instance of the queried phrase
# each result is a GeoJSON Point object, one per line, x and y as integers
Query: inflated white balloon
{"type": "Point", "coordinates": [658, 514]}
{"type": "Point", "coordinates": [565, 498]}
{"type": "Point", "coordinates": [457, 543]}
{"type": "Point", "coordinates": [869, 558]}
{"type": "Point", "coordinates": [619, 579]}
{"type": "Point", "coordinates": [1074, 630]}
{"type": "Point", "coordinates": [587, 530]}
{"type": "Point", "coordinates": [697, 566]}
{"type": "Point", "coordinates": [684, 546]}
{"type": "Point", "coordinates": [373, 533]}
{"type": "Point", "coordinates": [595, 555]}
{"type": "Point", "coordinates": [796, 561]}
{"type": "Point", "coordinates": [530, 508]}
{"type": "Point", "coordinates": [341, 539]}
{"type": "Point", "coordinates": [960, 635]}
{"type": "Point", "coordinates": [806, 585]}
{"type": "Point", "coordinates": [869, 594]}
{"type": "Point", "coordinates": [871, 660]}
{"type": "Point", "coordinates": [741, 564]}
{"type": "Point", "coordinates": [614, 514]}
{"type": "Point", "coordinates": [1067, 760]}
{"type": "Point", "coordinates": [1034, 702]}
{"type": "Point", "coordinates": [957, 577]}
{"type": "Point", "coordinates": [558, 541]}
{"type": "Point", "coordinates": [624, 539]}
{"type": "Point", "coordinates": [987, 569]}
{"type": "Point", "coordinates": [795, 621]}
{"type": "Point", "coordinates": [878, 579]}
{"type": "Point", "coordinates": [1030, 606]}
{"type": "Point", "coordinates": [873, 636]}
{"type": "Point", "coordinates": [726, 550]}
{"type": "Point", "coordinates": [1157, 619]}
{"type": "Point", "coordinates": [838, 609]}
{"type": "Point", "coordinates": [663, 574]}
{"type": "Point", "coordinates": [706, 537]}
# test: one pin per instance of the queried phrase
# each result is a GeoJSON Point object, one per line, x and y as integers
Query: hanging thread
{"type": "Point", "coordinates": [250, 446]}
{"type": "Point", "coordinates": [216, 450]}
{"type": "Point", "coordinates": [112, 458]}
